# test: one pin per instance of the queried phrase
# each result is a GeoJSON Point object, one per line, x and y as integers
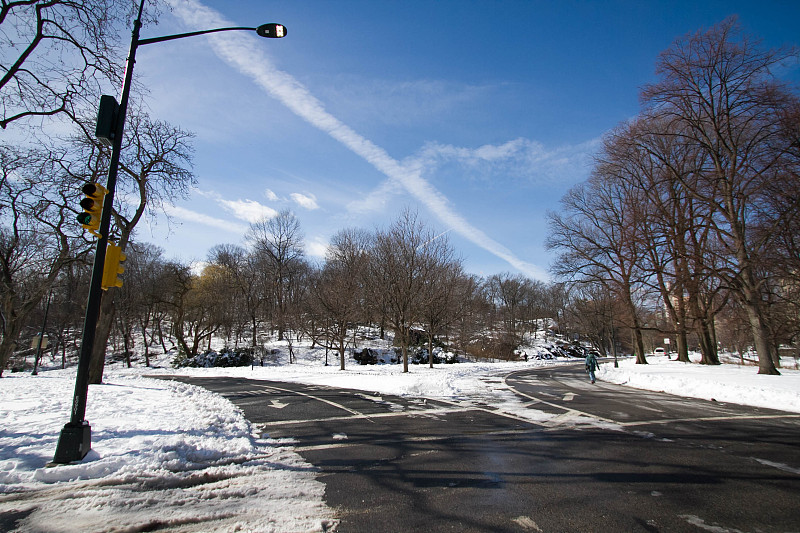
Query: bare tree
{"type": "Point", "coordinates": [247, 295]}
{"type": "Point", "coordinates": [439, 305]}
{"type": "Point", "coordinates": [647, 157]}
{"type": "Point", "coordinates": [717, 89]}
{"type": "Point", "coordinates": [37, 238]}
{"type": "Point", "coordinates": [511, 293]}
{"type": "Point", "coordinates": [141, 294]}
{"type": "Point", "coordinates": [591, 311]}
{"type": "Point", "coordinates": [403, 263]}
{"type": "Point", "coordinates": [596, 236]}
{"type": "Point", "coordinates": [155, 169]}
{"type": "Point", "coordinates": [278, 244]}
{"type": "Point", "coordinates": [57, 55]}
{"type": "Point", "coordinates": [338, 289]}
{"type": "Point", "coordinates": [194, 306]}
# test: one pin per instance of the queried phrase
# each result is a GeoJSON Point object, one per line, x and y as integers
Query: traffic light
{"type": "Point", "coordinates": [112, 267]}
{"type": "Point", "coordinates": [106, 120]}
{"type": "Point", "coordinates": [92, 207]}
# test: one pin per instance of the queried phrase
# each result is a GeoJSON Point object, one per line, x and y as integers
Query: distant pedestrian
{"type": "Point", "coordinates": [591, 365]}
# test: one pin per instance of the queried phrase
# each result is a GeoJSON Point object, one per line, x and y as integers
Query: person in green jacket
{"type": "Point", "coordinates": [591, 365]}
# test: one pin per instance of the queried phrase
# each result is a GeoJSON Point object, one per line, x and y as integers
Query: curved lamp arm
{"type": "Point", "coordinates": [272, 31]}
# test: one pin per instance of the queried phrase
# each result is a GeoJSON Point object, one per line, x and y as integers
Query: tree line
{"type": "Point", "coordinates": [686, 229]}
{"type": "Point", "coordinates": [405, 279]}
{"type": "Point", "coordinates": [695, 202]}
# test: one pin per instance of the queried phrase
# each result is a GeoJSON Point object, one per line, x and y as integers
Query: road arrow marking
{"type": "Point", "coordinates": [526, 523]}
{"type": "Point", "coordinates": [569, 396]}
{"type": "Point", "coordinates": [277, 404]}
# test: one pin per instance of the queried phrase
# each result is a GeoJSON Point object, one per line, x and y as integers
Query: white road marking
{"type": "Point", "coordinates": [779, 466]}
{"type": "Point", "coordinates": [569, 410]}
{"type": "Point", "coordinates": [705, 419]}
{"type": "Point", "coordinates": [700, 523]}
{"type": "Point", "coordinates": [650, 422]}
{"type": "Point", "coordinates": [526, 522]}
{"type": "Point", "coordinates": [360, 416]}
{"type": "Point", "coordinates": [332, 446]}
{"type": "Point", "coordinates": [277, 404]}
{"type": "Point", "coordinates": [376, 398]}
{"type": "Point", "coordinates": [323, 400]}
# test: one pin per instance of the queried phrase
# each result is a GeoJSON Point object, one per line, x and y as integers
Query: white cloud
{"type": "Point", "coordinates": [246, 54]}
{"type": "Point", "coordinates": [309, 201]}
{"type": "Point", "coordinates": [198, 267]}
{"type": "Point", "coordinates": [317, 247]}
{"type": "Point", "coordinates": [271, 196]}
{"type": "Point", "coordinates": [248, 210]}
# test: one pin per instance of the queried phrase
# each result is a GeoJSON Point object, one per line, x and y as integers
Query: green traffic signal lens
{"type": "Point", "coordinates": [84, 218]}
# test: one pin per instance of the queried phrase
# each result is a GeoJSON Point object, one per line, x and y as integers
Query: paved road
{"type": "Point", "coordinates": [571, 457]}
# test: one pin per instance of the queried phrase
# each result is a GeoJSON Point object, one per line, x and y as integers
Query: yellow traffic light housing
{"type": "Point", "coordinates": [112, 267]}
{"type": "Point", "coordinates": [92, 206]}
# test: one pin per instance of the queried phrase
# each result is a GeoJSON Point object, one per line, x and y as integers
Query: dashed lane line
{"type": "Point", "coordinates": [361, 416]}
{"type": "Point", "coordinates": [405, 439]}
{"type": "Point", "coordinates": [707, 419]}
{"type": "Point", "coordinates": [569, 410]}
{"type": "Point", "coordinates": [335, 445]}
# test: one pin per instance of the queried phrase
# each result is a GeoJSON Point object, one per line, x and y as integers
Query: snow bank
{"type": "Point", "coordinates": [724, 383]}
{"type": "Point", "coordinates": [164, 454]}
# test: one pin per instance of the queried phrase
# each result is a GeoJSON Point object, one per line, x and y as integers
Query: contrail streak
{"type": "Point", "coordinates": [426, 243]}
{"type": "Point", "coordinates": [245, 53]}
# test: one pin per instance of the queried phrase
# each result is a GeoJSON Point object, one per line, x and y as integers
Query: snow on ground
{"type": "Point", "coordinates": [170, 454]}
{"type": "Point", "coordinates": [725, 383]}
{"type": "Point", "coordinates": [164, 454]}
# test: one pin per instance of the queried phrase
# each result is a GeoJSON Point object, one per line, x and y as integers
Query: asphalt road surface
{"type": "Point", "coordinates": [570, 457]}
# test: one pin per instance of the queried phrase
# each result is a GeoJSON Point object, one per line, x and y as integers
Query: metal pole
{"type": "Point", "coordinates": [75, 439]}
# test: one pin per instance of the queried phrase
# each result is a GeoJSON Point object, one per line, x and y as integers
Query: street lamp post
{"type": "Point", "coordinates": [75, 439]}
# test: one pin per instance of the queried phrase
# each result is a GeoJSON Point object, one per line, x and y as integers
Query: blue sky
{"type": "Point", "coordinates": [480, 115]}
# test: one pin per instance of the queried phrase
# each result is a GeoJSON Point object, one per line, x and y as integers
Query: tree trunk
{"type": "Point", "coordinates": [680, 326]}
{"type": "Point", "coordinates": [143, 325]}
{"type": "Point", "coordinates": [707, 345]}
{"type": "Point", "coordinates": [404, 336]}
{"type": "Point", "coordinates": [639, 343]}
{"type": "Point", "coordinates": [682, 345]}
{"type": "Point", "coordinates": [105, 321]}
{"type": "Point", "coordinates": [126, 342]}
{"type": "Point", "coordinates": [8, 345]}
{"type": "Point", "coordinates": [760, 338]}
{"type": "Point", "coordinates": [161, 335]}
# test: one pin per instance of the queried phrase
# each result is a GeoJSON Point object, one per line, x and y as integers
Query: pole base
{"type": "Point", "coordinates": [74, 443]}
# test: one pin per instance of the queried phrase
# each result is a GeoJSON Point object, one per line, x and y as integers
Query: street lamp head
{"type": "Point", "coordinates": [272, 30]}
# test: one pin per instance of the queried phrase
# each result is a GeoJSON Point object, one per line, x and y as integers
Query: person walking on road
{"type": "Point", "coordinates": [591, 365]}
